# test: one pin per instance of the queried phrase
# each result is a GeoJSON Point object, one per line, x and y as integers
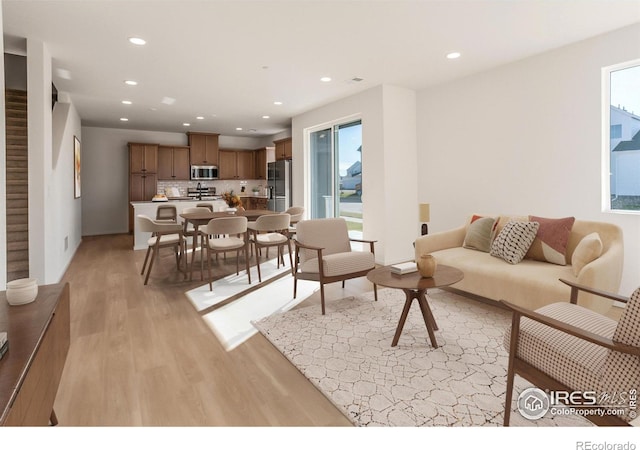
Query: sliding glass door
{"type": "Point", "coordinates": [336, 173]}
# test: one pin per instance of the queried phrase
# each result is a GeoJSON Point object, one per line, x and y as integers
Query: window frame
{"type": "Point", "coordinates": [606, 178]}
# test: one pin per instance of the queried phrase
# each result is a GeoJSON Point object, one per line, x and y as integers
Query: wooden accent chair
{"type": "Point", "coordinates": [271, 230]}
{"type": "Point", "coordinates": [323, 253]}
{"type": "Point", "coordinates": [566, 347]}
{"type": "Point", "coordinates": [227, 234]}
{"type": "Point", "coordinates": [162, 235]}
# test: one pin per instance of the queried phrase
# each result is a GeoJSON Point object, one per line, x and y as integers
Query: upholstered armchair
{"type": "Point", "coordinates": [566, 347]}
{"type": "Point", "coordinates": [323, 253]}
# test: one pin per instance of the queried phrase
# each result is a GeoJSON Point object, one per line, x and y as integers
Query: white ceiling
{"type": "Point", "coordinates": [228, 61]}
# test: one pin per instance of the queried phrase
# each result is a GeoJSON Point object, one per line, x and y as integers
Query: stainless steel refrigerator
{"type": "Point", "coordinates": [279, 183]}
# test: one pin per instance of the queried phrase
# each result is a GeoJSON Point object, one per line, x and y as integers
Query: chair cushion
{"type": "Point", "coordinates": [271, 238]}
{"type": "Point", "coordinates": [568, 359]}
{"type": "Point", "coordinates": [330, 234]}
{"type": "Point", "coordinates": [341, 263]}
{"type": "Point", "coordinates": [226, 243]}
{"type": "Point", "coordinates": [165, 239]}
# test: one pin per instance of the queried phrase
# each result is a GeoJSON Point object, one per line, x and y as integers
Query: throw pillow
{"type": "Point", "coordinates": [589, 248]}
{"type": "Point", "coordinates": [479, 234]}
{"type": "Point", "coordinates": [514, 240]}
{"type": "Point", "coordinates": [550, 245]}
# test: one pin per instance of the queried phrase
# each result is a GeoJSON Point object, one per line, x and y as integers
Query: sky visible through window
{"type": "Point", "coordinates": [625, 89]}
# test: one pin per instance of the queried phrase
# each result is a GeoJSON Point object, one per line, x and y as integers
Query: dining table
{"type": "Point", "coordinates": [200, 218]}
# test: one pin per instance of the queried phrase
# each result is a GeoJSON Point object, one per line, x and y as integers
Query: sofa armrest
{"type": "Point", "coordinates": [440, 241]}
{"type": "Point", "coordinates": [604, 272]}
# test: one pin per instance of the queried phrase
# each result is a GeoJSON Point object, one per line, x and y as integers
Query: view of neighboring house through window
{"type": "Point", "coordinates": [624, 137]}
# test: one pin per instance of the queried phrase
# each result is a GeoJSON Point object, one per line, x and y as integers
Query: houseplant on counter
{"type": "Point", "coordinates": [232, 200]}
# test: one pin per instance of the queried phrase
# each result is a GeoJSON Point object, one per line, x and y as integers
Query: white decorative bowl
{"type": "Point", "coordinates": [22, 291]}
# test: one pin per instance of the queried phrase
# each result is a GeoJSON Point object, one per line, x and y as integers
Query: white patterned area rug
{"type": "Point", "coordinates": [347, 354]}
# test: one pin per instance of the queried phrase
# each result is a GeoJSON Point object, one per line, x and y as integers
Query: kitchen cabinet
{"type": "Point", "coordinates": [283, 149]}
{"type": "Point", "coordinates": [257, 202]}
{"type": "Point", "coordinates": [143, 158]}
{"type": "Point", "coordinates": [203, 149]}
{"type": "Point", "coordinates": [143, 179]}
{"type": "Point", "coordinates": [262, 157]}
{"type": "Point", "coordinates": [236, 165]}
{"type": "Point", "coordinates": [173, 163]}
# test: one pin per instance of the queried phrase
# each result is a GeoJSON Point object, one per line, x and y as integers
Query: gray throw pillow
{"type": "Point", "coordinates": [514, 240]}
{"type": "Point", "coordinates": [479, 234]}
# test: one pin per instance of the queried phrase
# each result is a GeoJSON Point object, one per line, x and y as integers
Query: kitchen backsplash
{"type": "Point", "coordinates": [220, 185]}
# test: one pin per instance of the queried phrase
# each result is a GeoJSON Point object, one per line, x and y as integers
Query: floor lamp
{"type": "Point", "coordinates": [424, 217]}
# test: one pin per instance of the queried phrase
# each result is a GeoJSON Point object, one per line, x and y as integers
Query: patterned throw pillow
{"type": "Point", "coordinates": [514, 240]}
{"type": "Point", "coordinates": [480, 233]}
{"type": "Point", "coordinates": [550, 245]}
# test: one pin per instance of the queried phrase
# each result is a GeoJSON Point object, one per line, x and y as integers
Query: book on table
{"type": "Point", "coordinates": [403, 268]}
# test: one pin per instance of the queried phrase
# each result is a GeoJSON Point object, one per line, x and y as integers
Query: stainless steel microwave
{"type": "Point", "coordinates": [204, 172]}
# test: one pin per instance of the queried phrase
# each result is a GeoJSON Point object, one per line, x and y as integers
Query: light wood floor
{"type": "Point", "coordinates": [142, 355]}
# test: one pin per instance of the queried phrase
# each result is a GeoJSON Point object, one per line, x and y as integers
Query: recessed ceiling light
{"type": "Point", "coordinates": [453, 55]}
{"type": "Point", "coordinates": [277, 103]}
{"type": "Point", "coordinates": [186, 124]}
{"type": "Point", "coordinates": [131, 82]}
{"type": "Point", "coordinates": [200, 118]}
{"type": "Point", "coordinates": [126, 102]}
{"type": "Point", "coordinates": [137, 41]}
{"type": "Point", "coordinates": [124, 119]}
{"type": "Point", "coordinates": [238, 129]}
{"type": "Point", "coordinates": [265, 117]}
{"type": "Point", "coordinates": [325, 79]}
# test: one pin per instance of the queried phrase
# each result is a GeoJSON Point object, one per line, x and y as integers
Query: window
{"type": "Point", "coordinates": [621, 184]}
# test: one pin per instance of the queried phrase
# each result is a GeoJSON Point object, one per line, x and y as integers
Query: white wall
{"type": "Point", "coordinates": [105, 167]}
{"type": "Point", "coordinates": [525, 138]}
{"type": "Point", "coordinates": [389, 198]}
{"type": "Point", "coordinates": [54, 214]}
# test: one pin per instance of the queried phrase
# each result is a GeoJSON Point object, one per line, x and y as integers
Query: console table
{"type": "Point", "coordinates": [39, 338]}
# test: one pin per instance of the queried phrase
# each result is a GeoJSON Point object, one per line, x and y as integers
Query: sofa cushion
{"type": "Point", "coordinates": [589, 248]}
{"type": "Point", "coordinates": [550, 244]}
{"type": "Point", "coordinates": [514, 240]}
{"type": "Point", "coordinates": [480, 233]}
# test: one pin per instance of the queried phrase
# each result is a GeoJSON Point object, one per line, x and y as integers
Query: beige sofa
{"type": "Point", "coordinates": [531, 283]}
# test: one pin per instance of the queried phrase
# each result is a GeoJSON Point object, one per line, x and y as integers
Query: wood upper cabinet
{"type": "Point", "coordinates": [284, 149]}
{"type": "Point", "coordinates": [261, 159]}
{"type": "Point", "coordinates": [203, 148]}
{"type": "Point", "coordinates": [173, 163]}
{"type": "Point", "coordinates": [236, 165]}
{"type": "Point", "coordinates": [246, 165]}
{"type": "Point", "coordinates": [143, 158]}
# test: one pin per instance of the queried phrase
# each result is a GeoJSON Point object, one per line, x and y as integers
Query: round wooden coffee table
{"type": "Point", "coordinates": [415, 288]}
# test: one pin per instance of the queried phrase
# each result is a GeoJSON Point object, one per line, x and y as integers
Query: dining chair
{"type": "Point", "coordinates": [271, 230]}
{"type": "Point", "coordinates": [166, 213]}
{"type": "Point", "coordinates": [190, 232]}
{"type": "Point", "coordinates": [163, 235]}
{"type": "Point", "coordinates": [296, 213]}
{"type": "Point", "coordinates": [209, 206]}
{"type": "Point", "coordinates": [226, 234]}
